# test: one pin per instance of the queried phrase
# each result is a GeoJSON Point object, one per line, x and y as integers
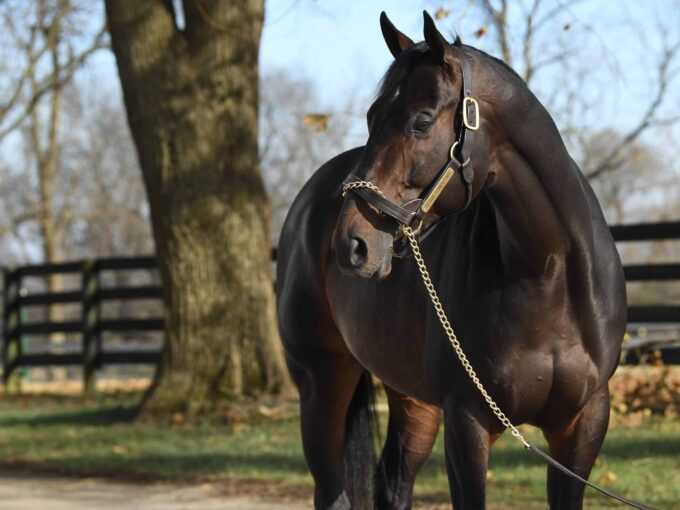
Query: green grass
{"type": "Point", "coordinates": [94, 438]}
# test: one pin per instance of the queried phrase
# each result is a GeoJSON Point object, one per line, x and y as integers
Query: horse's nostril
{"type": "Point", "coordinates": [358, 251]}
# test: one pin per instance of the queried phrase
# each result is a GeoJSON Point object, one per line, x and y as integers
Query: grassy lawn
{"type": "Point", "coordinates": [641, 458]}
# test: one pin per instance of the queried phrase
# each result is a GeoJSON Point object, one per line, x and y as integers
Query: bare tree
{"type": "Point", "coordinates": [108, 211]}
{"type": "Point", "coordinates": [42, 46]}
{"type": "Point", "coordinates": [297, 135]}
{"type": "Point", "coordinates": [48, 48]}
{"type": "Point", "coordinates": [640, 171]}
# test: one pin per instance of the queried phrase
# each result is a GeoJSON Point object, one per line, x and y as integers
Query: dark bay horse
{"type": "Point", "coordinates": [519, 252]}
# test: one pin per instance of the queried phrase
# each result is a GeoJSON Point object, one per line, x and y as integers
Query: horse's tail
{"type": "Point", "coordinates": [359, 451]}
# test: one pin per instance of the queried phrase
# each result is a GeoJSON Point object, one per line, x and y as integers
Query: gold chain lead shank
{"type": "Point", "coordinates": [432, 292]}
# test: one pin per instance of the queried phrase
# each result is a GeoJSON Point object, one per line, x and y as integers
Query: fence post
{"type": "Point", "coordinates": [90, 317]}
{"type": "Point", "coordinates": [11, 351]}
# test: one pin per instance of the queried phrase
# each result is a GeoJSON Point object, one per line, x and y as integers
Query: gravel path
{"type": "Point", "coordinates": [39, 493]}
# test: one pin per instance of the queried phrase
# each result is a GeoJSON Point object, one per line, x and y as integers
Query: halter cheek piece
{"type": "Point", "coordinates": [413, 212]}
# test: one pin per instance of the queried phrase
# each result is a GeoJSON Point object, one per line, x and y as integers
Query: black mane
{"type": "Point", "coordinates": [398, 70]}
{"type": "Point", "coordinates": [405, 63]}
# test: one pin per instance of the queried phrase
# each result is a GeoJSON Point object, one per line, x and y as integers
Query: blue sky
{"type": "Point", "coordinates": [338, 45]}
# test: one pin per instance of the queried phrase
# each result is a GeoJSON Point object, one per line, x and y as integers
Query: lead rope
{"type": "Point", "coordinates": [443, 319]}
{"type": "Point", "coordinates": [453, 339]}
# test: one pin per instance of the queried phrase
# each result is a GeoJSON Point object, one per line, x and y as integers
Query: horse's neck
{"type": "Point", "coordinates": [539, 199]}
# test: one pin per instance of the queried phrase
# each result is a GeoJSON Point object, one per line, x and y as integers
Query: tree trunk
{"type": "Point", "coordinates": [191, 97]}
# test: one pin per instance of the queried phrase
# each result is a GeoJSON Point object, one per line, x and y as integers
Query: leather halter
{"type": "Point", "coordinates": [414, 211]}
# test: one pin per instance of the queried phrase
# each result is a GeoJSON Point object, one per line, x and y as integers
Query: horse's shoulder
{"type": "Point", "coordinates": [314, 211]}
{"type": "Point", "coordinates": [303, 250]}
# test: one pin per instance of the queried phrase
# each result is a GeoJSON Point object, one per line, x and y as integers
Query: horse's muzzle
{"type": "Point", "coordinates": [354, 258]}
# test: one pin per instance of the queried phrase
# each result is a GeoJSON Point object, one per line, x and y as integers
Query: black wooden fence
{"type": "Point", "coordinates": [91, 326]}
{"type": "Point", "coordinates": [658, 313]}
{"type": "Point", "coordinates": [91, 296]}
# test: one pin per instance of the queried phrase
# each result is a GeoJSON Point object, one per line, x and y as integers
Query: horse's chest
{"type": "Point", "coordinates": [383, 326]}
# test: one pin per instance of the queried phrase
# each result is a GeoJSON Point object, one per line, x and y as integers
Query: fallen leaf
{"type": "Point", "coordinates": [608, 477]}
{"type": "Point", "coordinates": [481, 32]}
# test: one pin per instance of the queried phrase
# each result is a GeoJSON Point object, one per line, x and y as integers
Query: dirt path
{"type": "Point", "coordinates": [26, 491]}
{"type": "Point", "coordinates": [39, 493]}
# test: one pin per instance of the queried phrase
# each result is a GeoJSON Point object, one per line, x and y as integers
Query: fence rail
{"type": "Point", "coordinates": [91, 296]}
{"type": "Point", "coordinates": [659, 313]}
{"type": "Point", "coordinates": [90, 325]}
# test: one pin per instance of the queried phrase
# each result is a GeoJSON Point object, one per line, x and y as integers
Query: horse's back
{"type": "Point", "coordinates": [303, 254]}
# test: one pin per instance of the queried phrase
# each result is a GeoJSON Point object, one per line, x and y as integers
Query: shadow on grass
{"type": "Point", "coordinates": [616, 448]}
{"type": "Point", "coordinates": [107, 416]}
{"type": "Point", "coordinates": [146, 468]}
{"type": "Point", "coordinates": [635, 448]}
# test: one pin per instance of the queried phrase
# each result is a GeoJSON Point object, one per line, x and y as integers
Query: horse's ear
{"type": "Point", "coordinates": [437, 42]}
{"type": "Point", "coordinates": [396, 41]}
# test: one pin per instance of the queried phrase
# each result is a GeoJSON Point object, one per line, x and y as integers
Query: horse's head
{"type": "Point", "coordinates": [413, 125]}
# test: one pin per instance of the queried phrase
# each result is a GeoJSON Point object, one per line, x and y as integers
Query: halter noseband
{"type": "Point", "coordinates": [413, 212]}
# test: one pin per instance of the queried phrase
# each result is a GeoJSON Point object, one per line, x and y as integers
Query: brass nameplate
{"type": "Point", "coordinates": [437, 190]}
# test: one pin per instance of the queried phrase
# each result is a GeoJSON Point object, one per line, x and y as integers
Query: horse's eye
{"type": "Point", "coordinates": [422, 124]}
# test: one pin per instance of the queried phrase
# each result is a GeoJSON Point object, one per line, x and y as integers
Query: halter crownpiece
{"type": "Point", "coordinates": [414, 211]}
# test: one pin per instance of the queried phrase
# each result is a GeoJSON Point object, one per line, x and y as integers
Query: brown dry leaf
{"type": "Point", "coordinates": [441, 13]}
{"type": "Point", "coordinates": [317, 122]}
{"type": "Point", "coordinates": [234, 415]}
{"type": "Point", "coordinates": [269, 412]}
{"type": "Point", "coordinates": [621, 407]}
{"type": "Point", "coordinates": [481, 32]}
{"type": "Point", "coordinates": [608, 477]}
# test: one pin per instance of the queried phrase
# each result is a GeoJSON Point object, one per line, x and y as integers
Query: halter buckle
{"type": "Point", "coordinates": [470, 101]}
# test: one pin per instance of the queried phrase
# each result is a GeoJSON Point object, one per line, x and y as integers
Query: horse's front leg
{"type": "Point", "coordinates": [576, 446]}
{"type": "Point", "coordinates": [326, 389]}
{"type": "Point", "coordinates": [411, 433]}
{"type": "Point", "coordinates": [467, 441]}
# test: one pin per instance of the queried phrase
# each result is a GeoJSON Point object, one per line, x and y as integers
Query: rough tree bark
{"type": "Point", "coordinates": [191, 96]}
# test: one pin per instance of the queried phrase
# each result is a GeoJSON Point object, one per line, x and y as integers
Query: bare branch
{"type": "Point", "coordinates": [527, 45]}
{"type": "Point", "coordinates": [613, 159]}
{"type": "Point", "coordinates": [47, 84]}
{"type": "Point", "coordinates": [498, 18]}
{"type": "Point", "coordinates": [99, 214]}
{"type": "Point", "coordinates": [14, 223]}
